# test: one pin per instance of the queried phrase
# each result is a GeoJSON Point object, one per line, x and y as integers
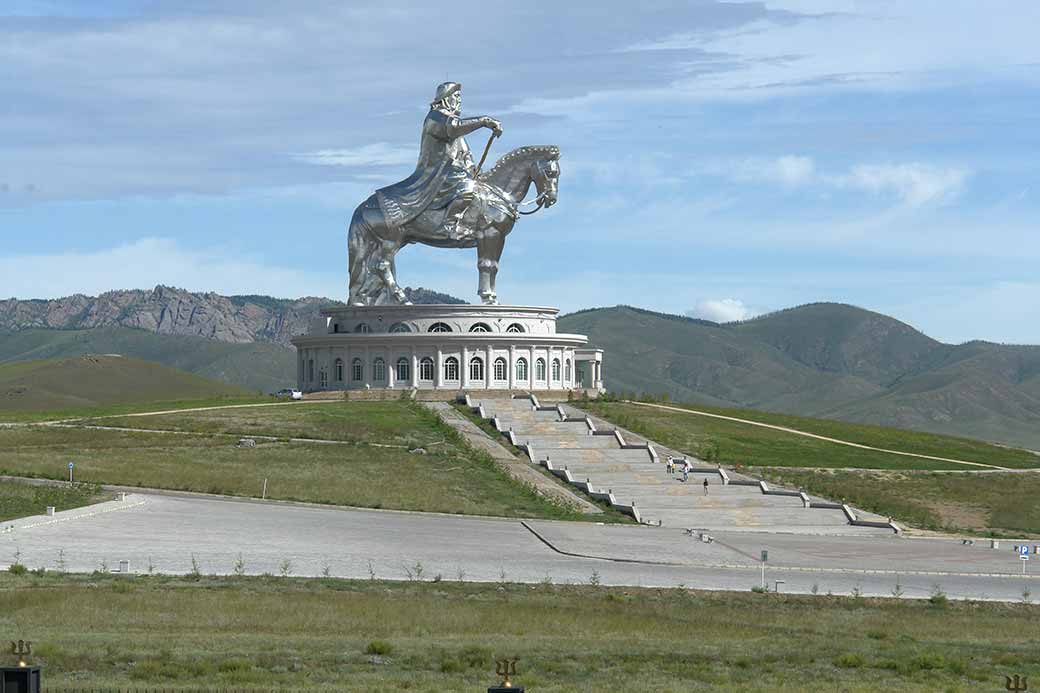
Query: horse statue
{"type": "Point", "coordinates": [374, 241]}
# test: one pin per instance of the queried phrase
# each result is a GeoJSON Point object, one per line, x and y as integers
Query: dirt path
{"type": "Point", "coordinates": [818, 437]}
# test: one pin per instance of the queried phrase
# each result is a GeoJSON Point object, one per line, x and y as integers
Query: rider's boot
{"type": "Point", "coordinates": [453, 216]}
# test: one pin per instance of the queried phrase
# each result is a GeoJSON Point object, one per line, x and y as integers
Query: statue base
{"type": "Point", "coordinates": [447, 348]}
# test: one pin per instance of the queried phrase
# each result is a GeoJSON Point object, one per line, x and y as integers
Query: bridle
{"type": "Point", "coordinates": [540, 199]}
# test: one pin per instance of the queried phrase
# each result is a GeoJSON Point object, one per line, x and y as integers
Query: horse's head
{"type": "Point", "coordinates": [514, 173]}
{"type": "Point", "coordinates": [547, 178]}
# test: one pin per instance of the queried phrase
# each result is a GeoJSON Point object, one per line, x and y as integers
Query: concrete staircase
{"type": "Point", "coordinates": [630, 474]}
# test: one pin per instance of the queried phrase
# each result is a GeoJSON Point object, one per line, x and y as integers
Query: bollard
{"type": "Point", "coordinates": [506, 668]}
{"type": "Point", "coordinates": [23, 677]}
{"type": "Point", "coordinates": [50, 511]}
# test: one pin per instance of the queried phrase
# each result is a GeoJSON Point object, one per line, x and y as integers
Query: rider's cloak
{"type": "Point", "coordinates": [443, 173]}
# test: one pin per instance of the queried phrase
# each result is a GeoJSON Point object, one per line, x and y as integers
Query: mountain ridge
{"type": "Point", "coordinates": [820, 359]}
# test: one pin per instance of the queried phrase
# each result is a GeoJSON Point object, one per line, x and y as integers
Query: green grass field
{"type": "Point", "coordinates": [20, 499]}
{"type": "Point", "coordinates": [744, 444]}
{"type": "Point", "coordinates": [392, 422]}
{"type": "Point", "coordinates": [163, 632]}
{"type": "Point", "coordinates": [94, 411]}
{"type": "Point", "coordinates": [451, 477]}
{"type": "Point", "coordinates": [888, 438]}
{"type": "Point", "coordinates": [1003, 504]}
{"type": "Point", "coordinates": [84, 382]}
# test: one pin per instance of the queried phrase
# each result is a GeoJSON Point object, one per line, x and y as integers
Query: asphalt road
{"type": "Point", "coordinates": [165, 533]}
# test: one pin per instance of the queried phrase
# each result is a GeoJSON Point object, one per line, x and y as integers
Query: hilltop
{"type": "Point", "coordinates": [824, 360]}
{"type": "Point", "coordinates": [97, 380]}
{"type": "Point", "coordinates": [170, 311]}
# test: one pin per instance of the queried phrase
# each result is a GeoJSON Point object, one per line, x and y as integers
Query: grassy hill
{"type": "Point", "coordinates": [824, 360]}
{"type": "Point", "coordinates": [96, 380]}
{"type": "Point", "coordinates": [255, 366]}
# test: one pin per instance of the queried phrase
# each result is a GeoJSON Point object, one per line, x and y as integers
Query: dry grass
{"type": "Point", "coordinates": [745, 444]}
{"type": "Point", "coordinates": [21, 499]}
{"type": "Point", "coordinates": [1001, 504]}
{"type": "Point", "coordinates": [451, 477]}
{"type": "Point", "coordinates": [319, 635]}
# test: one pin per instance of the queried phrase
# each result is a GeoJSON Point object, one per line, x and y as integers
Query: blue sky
{"type": "Point", "coordinates": [720, 159]}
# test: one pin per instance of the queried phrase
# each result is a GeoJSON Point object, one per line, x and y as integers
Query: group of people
{"type": "Point", "coordinates": [683, 466]}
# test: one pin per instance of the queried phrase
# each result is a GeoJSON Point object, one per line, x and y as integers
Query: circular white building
{"type": "Point", "coordinates": [447, 348]}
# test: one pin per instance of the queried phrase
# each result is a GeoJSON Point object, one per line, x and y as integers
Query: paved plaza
{"type": "Point", "coordinates": [163, 532]}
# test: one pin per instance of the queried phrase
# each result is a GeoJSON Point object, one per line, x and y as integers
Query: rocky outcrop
{"type": "Point", "coordinates": [167, 310]}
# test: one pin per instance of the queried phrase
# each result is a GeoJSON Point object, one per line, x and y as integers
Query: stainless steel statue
{"type": "Point", "coordinates": [447, 203]}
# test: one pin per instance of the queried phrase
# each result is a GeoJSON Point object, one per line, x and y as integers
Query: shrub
{"type": "Point", "coordinates": [379, 647]}
{"type": "Point", "coordinates": [849, 660]}
{"type": "Point", "coordinates": [17, 569]}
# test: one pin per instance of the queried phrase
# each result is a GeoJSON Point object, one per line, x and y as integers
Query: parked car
{"type": "Point", "coordinates": [289, 393]}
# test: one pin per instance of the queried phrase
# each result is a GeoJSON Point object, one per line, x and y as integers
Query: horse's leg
{"type": "Point", "coordinates": [489, 252]}
{"type": "Point", "coordinates": [366, 225]}
{"type": "Point", "coordinates": [386, 266]}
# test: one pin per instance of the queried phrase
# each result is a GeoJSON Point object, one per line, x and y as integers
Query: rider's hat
{"type": "Point", "coordinates": [444, 91]}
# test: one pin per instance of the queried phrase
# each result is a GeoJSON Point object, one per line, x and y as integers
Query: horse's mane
{"type": "Point", "coordinates": [520, 154]}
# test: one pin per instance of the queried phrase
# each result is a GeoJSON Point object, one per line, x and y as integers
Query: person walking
{"type": "Point", "coordinates": [705, 486]}
{"type": "Point", "coordinates": [685, 474]}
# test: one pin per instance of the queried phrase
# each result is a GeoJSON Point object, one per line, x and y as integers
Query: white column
{"type": "Point", "coordinates": [464, 375]}
{"type": "Point", "coordinates": [530, 369]}
{"type": "Point", "coordinates": [366, 368]}
{"type": "Point", "coordinates": [391, 366]}
{"type": "Point", "coordinates": [489, 374]}
{"type": "Point", "coordinates": [415, 368]}
{"type": "Point", "coordinates": [438, 377]}
{"type": "Point", "coordinates": [511, 364]}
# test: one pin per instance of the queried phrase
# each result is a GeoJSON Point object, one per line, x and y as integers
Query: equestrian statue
{"type": "Point", "coordinates": [447, 203]}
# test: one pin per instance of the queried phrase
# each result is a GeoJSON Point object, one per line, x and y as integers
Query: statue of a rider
{"type": "Point", "coordinates": [445, 176]}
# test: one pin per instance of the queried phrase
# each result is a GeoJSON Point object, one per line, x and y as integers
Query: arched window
{"type": "Point", "coordinates": [323, 378]}
{"type": "Point", "coordinates": [404, 369]}
{"type": "Point", "coordinates": [521, 369]}
{"type": "Point", "coordinates": [335, 327]}
{"type": "Point", "coordinates": [426, 368]}
{"type": "Point", "coordinates": [310, 370]}
{"type": "Point", "coordinates": [556, 370]}
{"type": "Point", "coordinates": [363, 328]}
{"type": "Point", "coordinates": [451, 369]}
{"type": "Point", "coordinates": [539, 369]}
{"type": "Point", "coordinates": [379, 370]}
{"type": "Point", "coordinates": [476, 368]}
{"type": "Point", "coordinates": [567, 370]}
{"type": "Point", "coordinates": [400, 327]}
{"type": "Point", "coordinates": [357, 370]}
{"type": "Point", "coordinates": [480, 327]}
{"type": "Point", "coordinates": [501, 370]}
{"type": "Point", "coordinates": [439, 327]}
{"type": "Point", "coordinates": [515, 327]}
{"type": "Point", "coordinates": [339, 370]}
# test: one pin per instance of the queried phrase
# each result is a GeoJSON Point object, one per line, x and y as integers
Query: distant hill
{"type": "Point", "coordinates": [92, 380]}
{"type": "Point", "coordinates": [256, 366]}
{"type": "Point", "coordinates": [823, 359]}
{"type": "Point", "coordinates": [827, 360]}
{"type": "Point", "coordinates": [170, 311]}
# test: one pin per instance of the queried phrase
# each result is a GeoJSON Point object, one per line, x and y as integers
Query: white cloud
{"type": "Point", "coordinates": [915, 183]}
{"type": "Point", "coordinates": [789, 170]}
{"type": "Point", "coordinates": [150, 261]}
{"type": "Point", "coordinates": [377, 154]}
{"type": "Point", "coordinates": [722, 310]}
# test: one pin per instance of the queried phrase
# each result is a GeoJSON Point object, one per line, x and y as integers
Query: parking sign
{"type": "Point", "coordinates": [1023, 552]}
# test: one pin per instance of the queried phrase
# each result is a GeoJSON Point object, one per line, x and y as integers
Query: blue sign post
{"type": "Point", "coordinates": [1023, 554]}
{"type": "Point", "coordinates": [71, 465]}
